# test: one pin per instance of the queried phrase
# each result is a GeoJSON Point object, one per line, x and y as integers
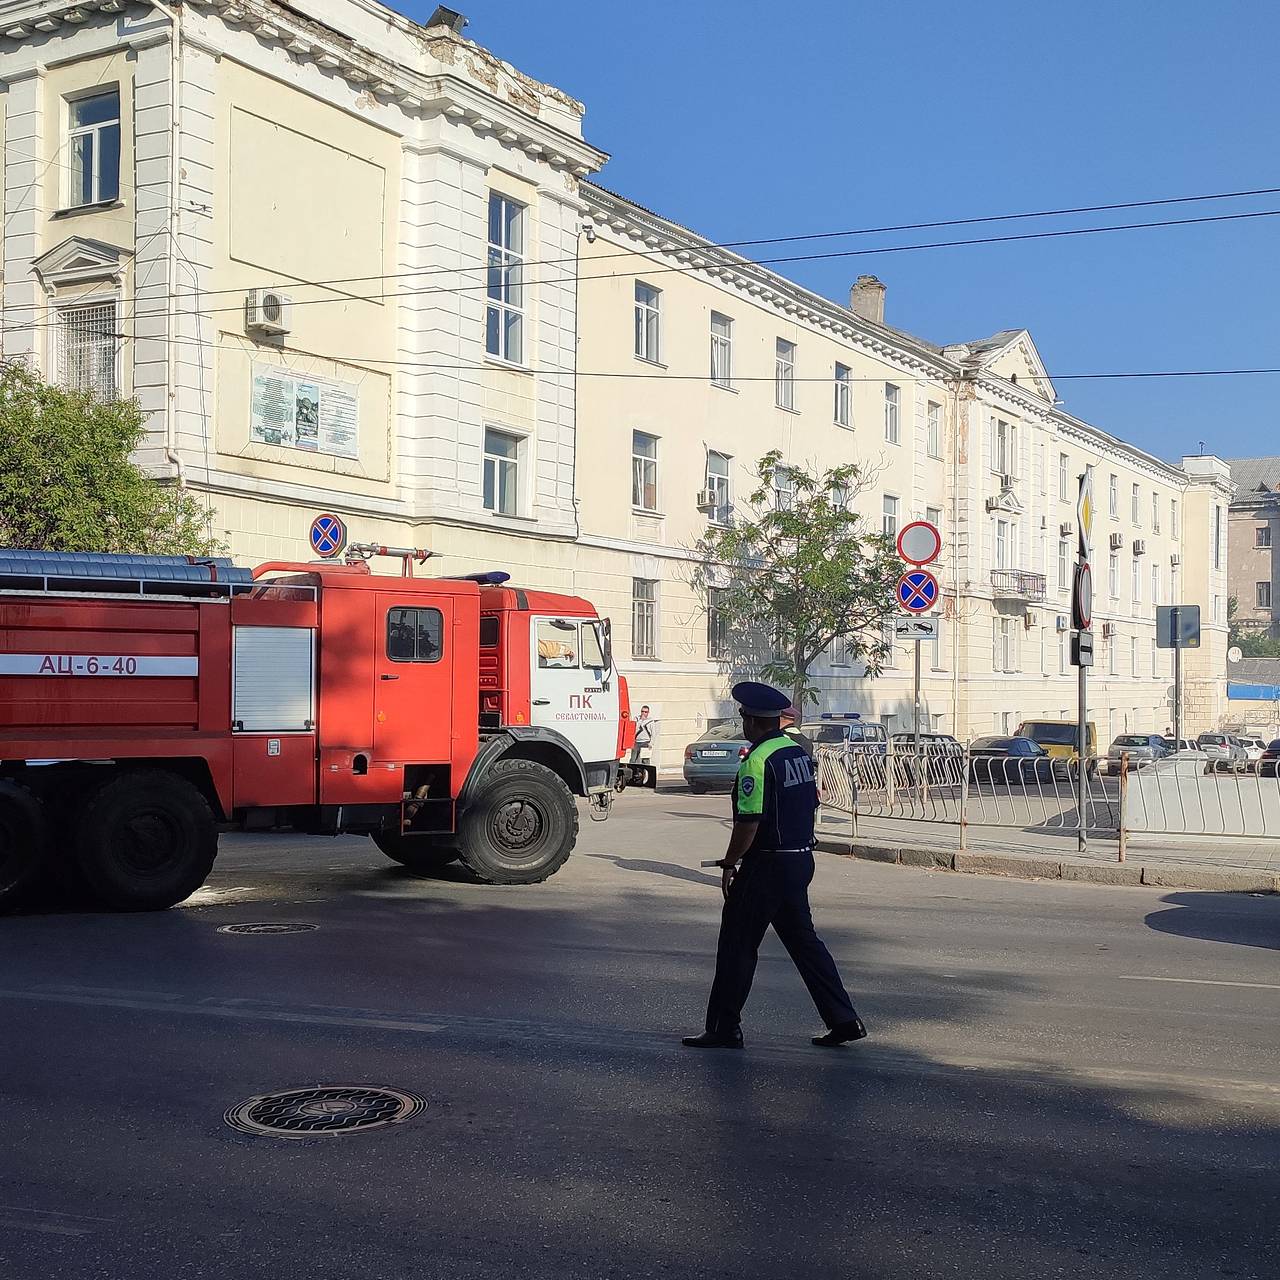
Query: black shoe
{"type": "Point", "coordinates": [715, 1040]}
{"type": "Point", "coordinates": [843, 1034]}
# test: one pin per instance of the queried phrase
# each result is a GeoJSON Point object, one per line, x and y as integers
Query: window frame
{"type": "Point", "coordinates": [722, 343]}
{"type": "Point", "coordinates": [1259, 590]}
{"type": "Point", "coordinates": [933, 428]}
{"type": "Point", "coordinates": [415, 608]}
{"type": "Point", "coordinates": [1262, 537]}
{"type": "Point", "coordinates": [721, 512]}
{"type": "Point", "coordinates": [640, 481]}
{"type": "Point", "coordinates": [890, 515]}
{"type": "Point", "coordinates": [892, 413]}
{"type": "Point", "coordinates": [94, 132]}
{"type": "Point", "coordinates": [499, 462]}
{"type": "Point", "coordinates": [1064, 564]}
{"type": "Point", "coordinates": [646, 607]}
{"type": "Point", "coordinates": [717, 627]}
{"type": "Point", "coordinates": [842, 407]}
{"type": "Point", "coordinates": [1113, 497]}
{"type": "Point", "coordinates": [63, 331]}
{"type": "Point", "coordinates": [647, 327]}
{"type": "Point", "coordinates": [1064, 468]}
{"type": "Point", "coordinates": [1135, 506]}
{"type": "Point", "coordinates": [784, 374]}
{"type": "Point", "coordinates": [507, 304]}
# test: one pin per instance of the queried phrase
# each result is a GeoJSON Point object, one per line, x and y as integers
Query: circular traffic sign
{"type": "Point", "coordinates": [328, 536]}
{"type": "Point", "coordinates": [1235, 653]}
{"type": "Point", "coordinates": [1082, 597]}
{"type": "Point", "coordinates": [919, 542]}
{"type": "Point", "coordinates": [918, 591]}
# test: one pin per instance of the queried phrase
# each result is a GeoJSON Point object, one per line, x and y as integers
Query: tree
{"type": "Point", "coordinates": [1253, 642]}
{"type": "Point", "coordinates": [67, 482]}
{"type": "Point", "coordinates": [796, 570]}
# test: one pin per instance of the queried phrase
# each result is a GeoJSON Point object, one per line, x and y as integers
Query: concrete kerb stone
{"type": "Point", "coordinates": [1033, 868]}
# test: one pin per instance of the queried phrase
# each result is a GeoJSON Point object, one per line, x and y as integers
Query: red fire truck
{"type": "Point", "coordinates": [148, 702]}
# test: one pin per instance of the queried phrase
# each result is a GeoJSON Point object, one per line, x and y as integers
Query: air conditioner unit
{"type": "Point", "coordinates": [1139, 547]}
{"type": "Point", "coordinates": [1117, 541]}
{"type": "Point", "coordinates": [1065, 528]}
{"type": "Point", "coordinates": [708, 500]}
{"type": "Point", "coordinates": [267, 311]}
{"type": "Point", "coordinates": [1007, 480]}
{"type": "Point", "coordinates": [1175, 559]}
{"type": "Point", "coordinates": [1028, 620]}
{"type": "Point", "coordinates": [1044, 522]}
{"type": "Point", "coordinates": [1062, 623]}
{"type": "Point", "coordinates": [1108, 630]}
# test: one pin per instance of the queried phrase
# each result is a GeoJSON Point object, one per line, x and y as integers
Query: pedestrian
{"type": "Point", "coordinates": [767, 869]}
{"type": "Point", "coordinates": [644, 735]}
{"type": "Point", "coordinates": [790, 723]}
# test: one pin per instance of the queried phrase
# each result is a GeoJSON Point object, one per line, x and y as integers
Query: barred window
{"type": "Point", "coordinates": [88, 344]}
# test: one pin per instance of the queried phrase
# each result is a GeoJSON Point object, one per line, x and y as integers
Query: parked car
{"type": "Point", "coordinates": [711, 761]}
{"type": "Point", "coordinates": [1181, 745]}
{"type": "Point", "coordinates": [943, 754]}
{"type": "Point", "coordinates": [1269, 765]}
{"type": "Point", "coordinates": [837, 727]}
{"type": "Point", "coordinates": [1253, 748]}
{"type": "Point", "coordinates": [1060, 739]}
{"type": "Point", "coordinates": [1141, 748]}
{"type": "Point", "coordinates": [1222, 751]}
{"type": "Point", "coordinates": [1009, 761]}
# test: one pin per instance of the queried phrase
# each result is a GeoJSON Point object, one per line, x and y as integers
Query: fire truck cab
{"type": "Point", "coordinates": [148, 702]}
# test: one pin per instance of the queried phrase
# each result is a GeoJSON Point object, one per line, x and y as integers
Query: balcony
{"type": "Point", "coordinates": [1018, 584]}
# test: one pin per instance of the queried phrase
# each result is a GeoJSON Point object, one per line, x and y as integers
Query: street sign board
{"type": "Point", "coordinates": [919, 542]}
{"type": "Point", "coordinates": [1082, 649]}
{"type": "Point", "coordinates": [922, 628]}
{"type": "Point", "coordinates": [328, 536]}
{"type": "Point", "coordinates": [1084, 514]}
{"type": "Point", "coordinates": [1082, 598]}
{"type": "Point", "coordinates": [918, 591]}
{"type": "Point", "coordinates": [1178, 626]}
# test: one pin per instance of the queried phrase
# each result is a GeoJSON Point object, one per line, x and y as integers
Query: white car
{"type": "Point", "coordinates": [1253, 747]}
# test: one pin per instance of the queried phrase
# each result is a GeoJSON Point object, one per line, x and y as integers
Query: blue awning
{"type": "Point", "coordinates": [1253, 692]}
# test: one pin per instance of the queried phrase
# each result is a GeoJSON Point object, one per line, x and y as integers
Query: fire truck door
{"type": "Point", "coordinates": [412, 694]}
{"type": "Point", "coordinates": [572, 690]}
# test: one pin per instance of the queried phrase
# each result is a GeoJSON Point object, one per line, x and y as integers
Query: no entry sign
{"type": "Point", "coordinates": [919, 542]}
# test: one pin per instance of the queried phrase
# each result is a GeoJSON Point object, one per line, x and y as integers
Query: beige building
{"type": "Point", "coordinates": [377, 282]}
{"type": "Point", "coordinates": [1254, 534]}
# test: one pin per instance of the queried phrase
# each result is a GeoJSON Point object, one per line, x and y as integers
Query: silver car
{"type": "Point", "coordinates": [1141, 748]}
{"type": "Point", "coordinates": [1222, 751]}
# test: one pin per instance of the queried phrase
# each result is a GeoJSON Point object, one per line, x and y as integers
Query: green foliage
{"type": "Point", "coordinates": [1252, 641]}
{"type": "Point", "coordinates": [789, 577]}
{"type": "Point", "coordinates": [67, 482]}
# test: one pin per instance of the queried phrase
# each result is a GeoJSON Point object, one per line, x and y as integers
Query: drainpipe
{"type": "Point", "coordinates": [174, 13]}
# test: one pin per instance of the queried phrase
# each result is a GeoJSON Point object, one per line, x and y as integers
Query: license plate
{"type": "Point", "coordinates": [714, 755]}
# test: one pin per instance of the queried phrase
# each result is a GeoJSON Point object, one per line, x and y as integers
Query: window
{"type": "Point", "coordinates": [892, 404]}
{"type": "Point", "coordinates": [717, 625]}
{"type": "Point", "coordinates": [88, 343]}
{"type": "Point", "coordinates": [1216, 609]}
{"type": "Point", "coordinates": [839, 497]}
{"type": "Point", "coordinates": [1136, 578]}
{"type": "Point", "coordinates": [718, 484]}
{"type": "Point", "coordinates": [1155, 584]}
{"type": "Point", "coordinates": [721, 350]}
{"type": "Point", "coordinates": [504, 314]}
{"type": "Point", "coordinates": [1112, 658]}
{"type": "Point", "coordinates": [1004, 632]}
{"type": "Point", "coordinates": [784, 374]}
{"type": "Point", "coordinates": [889, 521]}
{"type": "Point", "coordinates": [1262, 595]}
{"type": "Point", "coordinates": [935, 646]}
{"type": "Point", "coordinates": [1262, 536]}
{"type": "Point", "coordinates": [934, 516]}
{"type": "Point", "coordinates": [415, 635]}
{"type": "Point", "coordinates": [933, 427]}
{"type": "Point", "coordinates": [1113, 576]}
{"type": "Point", "coordinates": [1002, 544]}
{"type": "Point", "coordinates": [1173, 585]}
{"type": "Point", "coordinates": [558, 645]}
{"type": "Point", "coordinates": [889, 636]}
{"type": "Point", "coordinates": [1155, 513]}
{"type": "Point", "coordinates": [1063, 465]}
{"type": "Point", "coordinates": [1173, 516]}
{"type": "Point", "coordinates": [840, 651]}
{"type": "Point", "coordinates": [1133, 654]}
{"type": "Point", "coordinates": [644, 471]}
{"type": "Point", "coordinates": [501, 472]}
{"type": "Point", "coordinates": [93, 143]}
{"type": "Point", "coordinates": [1155, 658]}
{"type": "Point", "coordinates": [490, 632]}
{"type": "Point", "coordinates": [1042, 467]}
{"type": "Point", "coordinates": [784, 489]}
{"type": "Point", "coordinates": [1064, 564]}
{"type": "Point", "coordinates": [1135, 506]}
{"type": "Point", "coordinates": [1063, 655]}
{"type": "Point", "coordinates": [1113, 497]}
{"type": "Point", "coordinates": [843, 390]}
{"type": "Point", "coordinates": [1005, 459]}
{"type": "Point", "coordinates": [1217, 537]}
{"type": "Point", "coordinates": [648, 322]}
{"type": "Point", "coordinates": [644, 617]}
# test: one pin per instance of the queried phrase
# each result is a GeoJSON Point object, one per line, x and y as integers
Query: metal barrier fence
{"type": "Point", "coordinates": [950, 786]}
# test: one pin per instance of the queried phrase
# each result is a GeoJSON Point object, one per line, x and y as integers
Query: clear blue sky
{"type": "Point", "coordinates": [743, 118]}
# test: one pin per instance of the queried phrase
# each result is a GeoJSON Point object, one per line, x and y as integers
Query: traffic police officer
{"type": "Point", "coordinates": [775, 797]}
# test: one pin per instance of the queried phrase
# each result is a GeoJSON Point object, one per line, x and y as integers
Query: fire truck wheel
{"type": "Point", "coordinates": [418, 853]}
{"type": "Point", "coordinates": [521, 827]}
{"type": "Point", "coordinates": [22, 840]}
{"type": "Point", "coordinates": [145, 841]}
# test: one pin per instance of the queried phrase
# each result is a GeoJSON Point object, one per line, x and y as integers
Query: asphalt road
{"type": "Point", "coordinates": [1062, 1080]}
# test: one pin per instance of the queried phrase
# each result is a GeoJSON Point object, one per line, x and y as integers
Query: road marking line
{"type": "Point", "coordinates": [1200, 982]}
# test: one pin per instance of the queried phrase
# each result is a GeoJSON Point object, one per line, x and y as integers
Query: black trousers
{"type": "Point", "coordinates": [772, 889]}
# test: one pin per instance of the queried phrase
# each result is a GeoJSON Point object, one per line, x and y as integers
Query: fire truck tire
{"type": "Point", "coordinates": [146, 840]}
{"type": "Point", "coordinates": [521, 826]}
{"type": "Point", "coordinates": [418, 853]}
{"type": "Point", "coordinates": [23, 839]}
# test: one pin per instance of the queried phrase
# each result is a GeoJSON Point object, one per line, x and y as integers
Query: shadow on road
{"type": "Point", "coordinates": [1220, 917]}
{"type": "Point", "coordinates": [672, 869]}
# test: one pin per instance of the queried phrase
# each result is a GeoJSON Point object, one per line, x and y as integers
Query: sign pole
{"type": "Point", "coordinates": [1177, 686]}
{"type": "Point", "coordinates": [1082, 748]}
{"type": "Point", "coordinates": [1082, 607]}
{"type": "Point", "coordinates": [916, 702]}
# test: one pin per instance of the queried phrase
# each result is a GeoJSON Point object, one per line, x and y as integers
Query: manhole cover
{"type": "Point", "coordinates": [304, 1113]}
{"type": "Point", "coordinates": [266, 928]}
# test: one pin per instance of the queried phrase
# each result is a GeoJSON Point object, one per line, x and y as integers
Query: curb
{"type": "Point", "coordinates": [1029, 867]}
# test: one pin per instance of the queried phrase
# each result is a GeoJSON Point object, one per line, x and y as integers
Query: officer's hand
{"type": "Point", "coordinates": [726, 879]}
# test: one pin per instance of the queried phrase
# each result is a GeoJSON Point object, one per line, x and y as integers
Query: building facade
{"type": "Point", "coordinates": [362, 269]}
{"type": "Point", "coordinates": [1254, 533]}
